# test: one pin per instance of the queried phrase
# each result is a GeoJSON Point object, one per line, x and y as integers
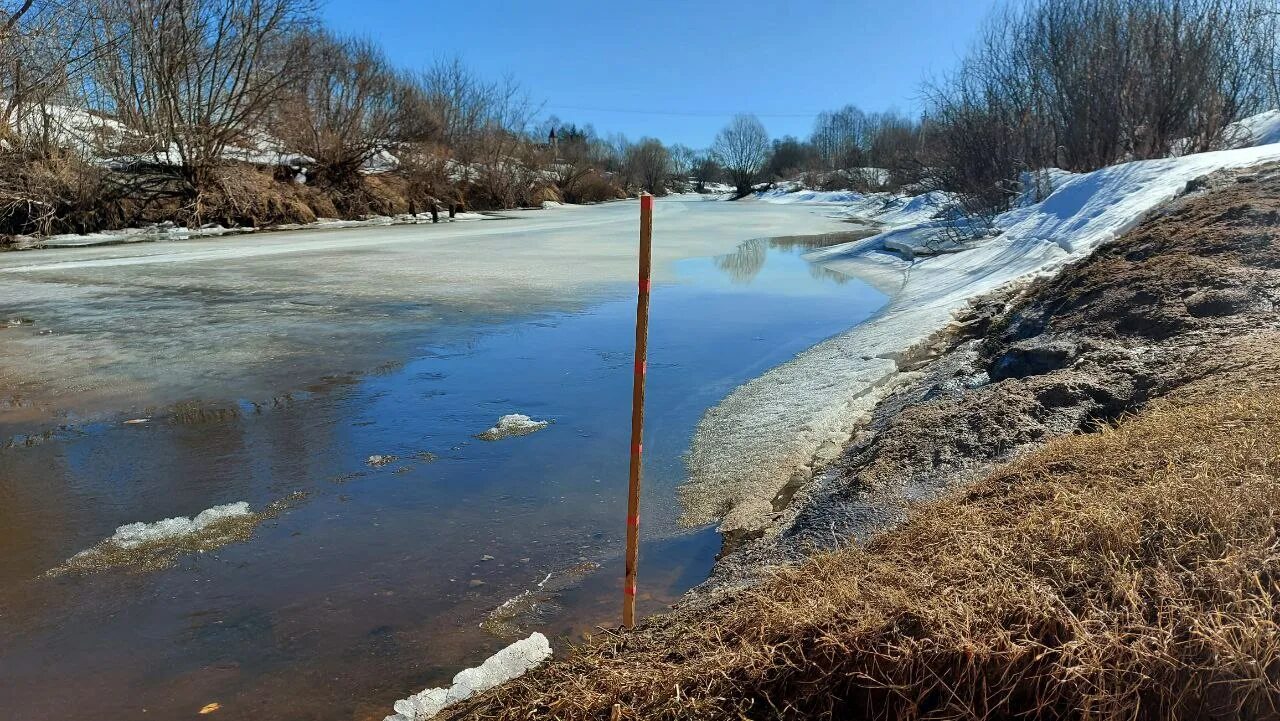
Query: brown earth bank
{"type": "Point", "coordinates": [70, 196]}
{"type": "Point", "coordinates": [1068, 508]}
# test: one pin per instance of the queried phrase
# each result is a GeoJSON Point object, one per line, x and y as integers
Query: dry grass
{"type": "Point", "coordinates": [1126, 574]}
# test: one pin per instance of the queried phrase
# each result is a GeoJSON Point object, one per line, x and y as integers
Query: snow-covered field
{"type": "Point", "coordinates": [773, 428]}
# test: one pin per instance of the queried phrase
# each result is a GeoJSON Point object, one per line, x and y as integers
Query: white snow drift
{"type": "Point", "coordinates": [774, 428]}
{"type": "Point", "coordinates": [511, 662]}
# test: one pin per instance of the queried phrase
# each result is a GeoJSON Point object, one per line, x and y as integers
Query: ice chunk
{"type": "Point", "coordinates": [511, 662]}
{"type": "Point", "coordinates": [515, 424]}
{"type": "Point", "coordinates": [155, 545]}
{"type": "Point", "coordinates": [133, 535]}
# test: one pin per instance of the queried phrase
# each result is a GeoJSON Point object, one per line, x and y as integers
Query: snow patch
{"type": "Point", "coordinates": [515, 424]}
{"type": "Point", "coordinates": [1260, 129]}
{"type": "Point", "coordinates": [169, 232]}
{"type": "Point", "coordinates": [511, 662]}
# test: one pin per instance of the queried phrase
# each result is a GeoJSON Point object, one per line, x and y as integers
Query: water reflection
{"type": "Point", "coordinates": [744, 264]}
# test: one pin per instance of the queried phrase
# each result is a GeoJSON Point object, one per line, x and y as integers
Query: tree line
{"type": "Point", "coordinates": [1070, 84]}
{"type": "Point", "coordinates": [118, 112]}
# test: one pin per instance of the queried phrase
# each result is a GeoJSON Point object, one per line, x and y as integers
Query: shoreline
{"type": "Point", "coordinates": [776, 432]}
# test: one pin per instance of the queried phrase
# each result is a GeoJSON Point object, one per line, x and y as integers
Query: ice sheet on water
{"type": "Point", "coordinates": [511, 662]}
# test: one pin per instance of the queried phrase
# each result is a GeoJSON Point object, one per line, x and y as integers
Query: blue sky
{"type": "Point", "coordinates": [679, 70]}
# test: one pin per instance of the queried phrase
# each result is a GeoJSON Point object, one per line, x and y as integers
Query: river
{"type": "Point", "coordinates": [344, 376]}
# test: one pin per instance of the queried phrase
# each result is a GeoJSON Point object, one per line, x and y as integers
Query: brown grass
{"type": "Point", "coordinates": [1126, 574]}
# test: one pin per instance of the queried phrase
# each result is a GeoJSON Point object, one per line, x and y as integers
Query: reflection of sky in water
{"type": "Point", "coordinates": [364, 590]}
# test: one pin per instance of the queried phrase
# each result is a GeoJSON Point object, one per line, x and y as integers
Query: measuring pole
{"type": "Point", "coordinates": [637, 412]}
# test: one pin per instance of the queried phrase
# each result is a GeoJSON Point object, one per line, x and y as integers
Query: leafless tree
{"type": "Point", "coordinates": [343, 106]}
{"type": "Point", "coordinates": [706, 170]}
{"type": "Point", "coordinates": [485, 126]}
{"type": "Point", "coordinates": [195, 77]}
{"type": "Point", "coordinates": [1085, 83]}
{"type": "Point", "coordinates": [742, 147]}
{"type": "Point", "coordinates": [683, 160]}
{"type": "Point", "coordinates": [651, 165]}
{"type": "Point", "coordinates": [43, 50]}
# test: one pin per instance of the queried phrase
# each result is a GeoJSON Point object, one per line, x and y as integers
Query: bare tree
{"type": "Point", "coordinates": [43, 50]}
{"type": "Point", "coordinates": [706, 170]}
{"type": "Point", "coordinates": [343, 106]}
{"type": "Point", "coordinates": [194, 76]}
{"type": "Point", "coordinates": [485, 125]}
{"type": "Point", "coordinates": [787, 158]}
{"type": "Point", "coordinates": [742, 147]}
{"type": "Point", "coordinates": [1085, 83]}
{"type": "Point", "coordinates": [651, 164]}
{"type": "Point", "coordinates": [683, 160]}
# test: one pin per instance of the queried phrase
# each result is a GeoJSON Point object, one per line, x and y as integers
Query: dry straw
{"type": "Point", "coordinates": [1126, 574]}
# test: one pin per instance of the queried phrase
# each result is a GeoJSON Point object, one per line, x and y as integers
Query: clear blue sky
{"type": "Point", "coordinates": [691, 64]}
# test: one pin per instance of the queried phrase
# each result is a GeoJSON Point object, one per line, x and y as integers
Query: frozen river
{"type": "Point", "coordinates": [271, 368]}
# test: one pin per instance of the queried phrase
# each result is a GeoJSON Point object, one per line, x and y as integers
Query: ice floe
{"type": "Point", "coordinates": [514, 424]}
{"type": "Point", "coordinates": [153, 545]}
{"type": "Point", "coordinates": [511, 662]}
{"type": "Point", "coordinates": [135, 534]}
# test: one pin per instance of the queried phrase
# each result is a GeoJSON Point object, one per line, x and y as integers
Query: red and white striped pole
{"type": "Point", "coordinates": [637, 411]}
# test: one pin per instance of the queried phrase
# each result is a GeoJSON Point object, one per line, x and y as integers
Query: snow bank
{"type": "Point", "coordinates": [511, 662]}
{"type": "Point", "coordinates": [772, 429]}
{"type": "Point", "coordinates": [169, 232]}
{"type": "Point", "coordinates": [135, 534]}
{"type": "Point", "coordinates": [887, 208]}
{"type": "Point", "coordinates": [1260, 129]}
{"type": "Point", "coordinates": [515, 424]}
{"type": "Point", "coordinates": [150, 234]}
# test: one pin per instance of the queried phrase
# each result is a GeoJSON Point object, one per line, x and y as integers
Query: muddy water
{"type": "Point", "coordinates": [375, 580]}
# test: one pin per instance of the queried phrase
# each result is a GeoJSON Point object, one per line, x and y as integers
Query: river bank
{"type": "Point", "coordinates": [991, 527]}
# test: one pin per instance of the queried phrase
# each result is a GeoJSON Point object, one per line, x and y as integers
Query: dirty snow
{"type": "Point", "coordinates": [170, 232]}
{"type": "Point", "coordinates": [511, 662]}
{"type": "Point", "coordinates": [774, 428]}
{"type": "Point", "coordinates": [514, 424]}
{"type": "Point", "coordinates": [148, 546]}
{"type": "Point", "coordinates": [135, 534]}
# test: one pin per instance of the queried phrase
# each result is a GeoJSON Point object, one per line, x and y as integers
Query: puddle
{"type": "Point", "coordinates": [412, 531]}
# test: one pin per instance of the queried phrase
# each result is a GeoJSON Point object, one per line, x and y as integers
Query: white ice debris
{"type": "Point", "coordinates": [511, 662]}
{"type": "Point", "coordinates": [774, 427]}
{"type": "Point", "coordinates": [515, 424]}
{"type": "Point", "coordinates": [135, 534]}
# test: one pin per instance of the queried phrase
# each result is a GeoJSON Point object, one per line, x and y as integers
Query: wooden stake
{"type": "Point", "coordinates": [637, 412]}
